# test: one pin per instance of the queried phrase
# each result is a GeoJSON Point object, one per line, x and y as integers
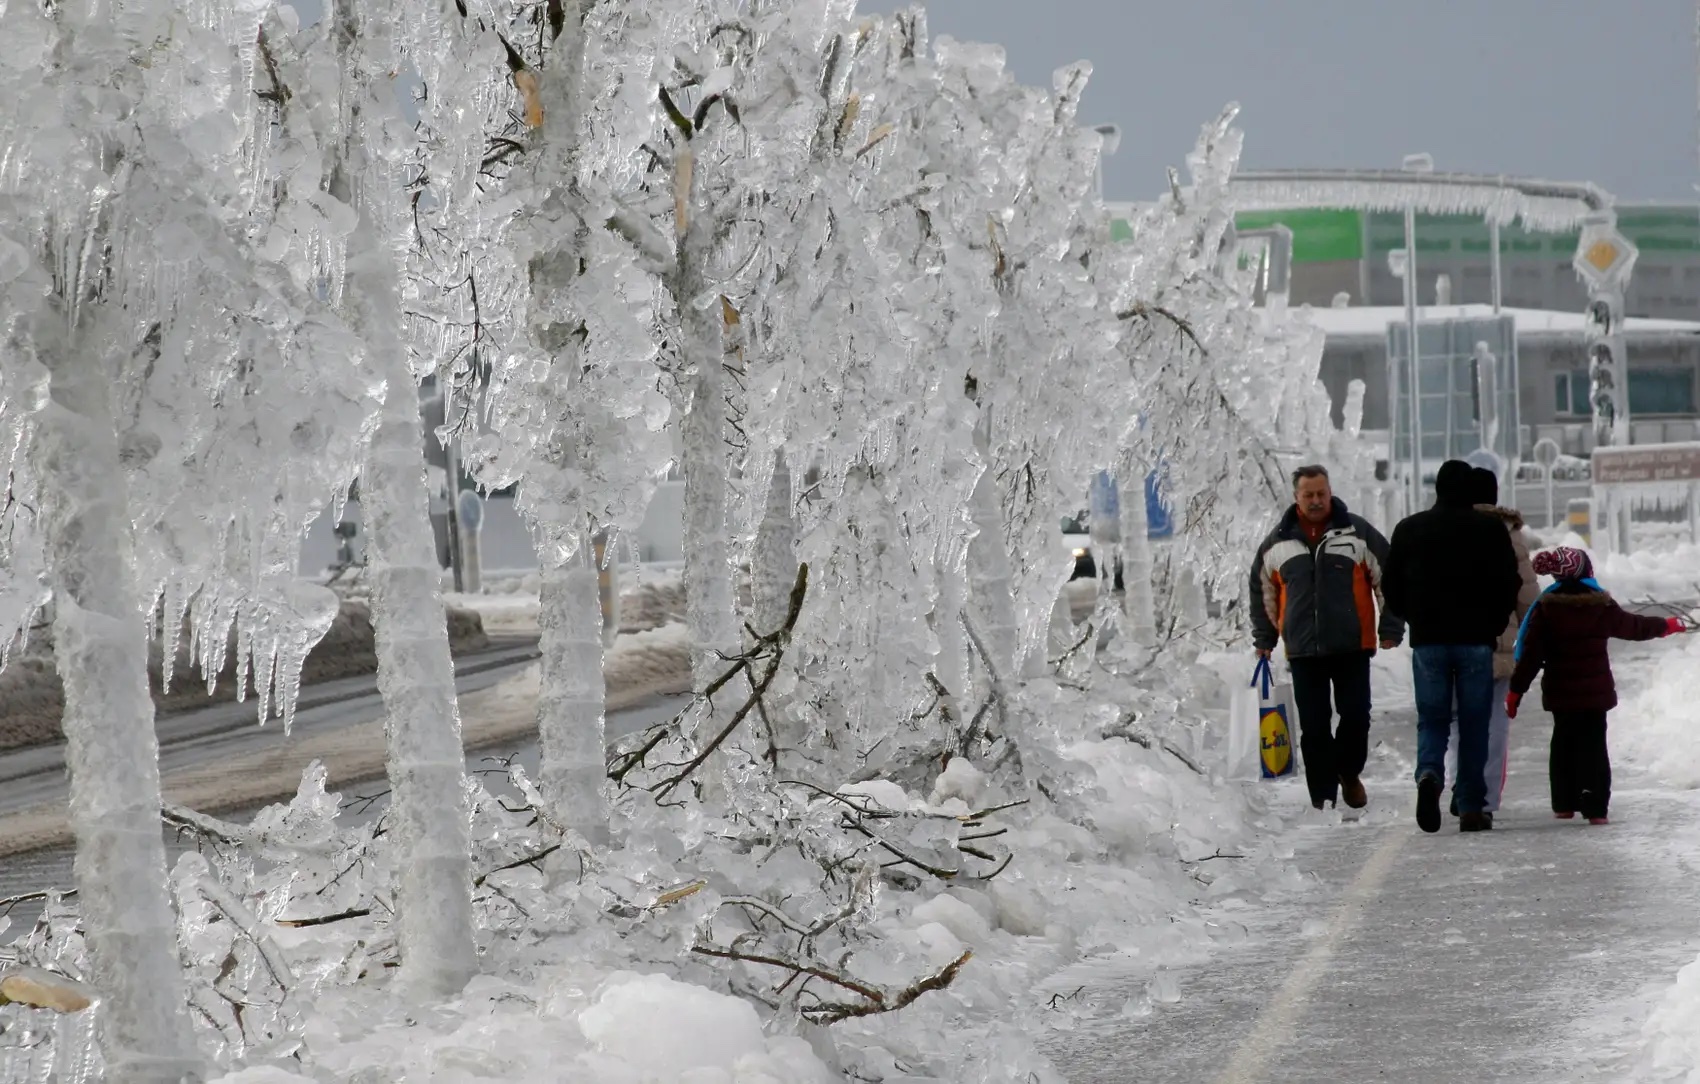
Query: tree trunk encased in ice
{"type": "Point", "coordinates": [709, 610]}
{"type": "Point", "coordinates": [426, 763]}
{"type": "Point", "coordinates": [773, 558]}
{"type": "Point", "coordinates": [101, 650]}
{"type": "Point", "coordinates": [991, 591]}
{"type": "Point", "coordinates": [1135, 550]}
{"type": "Point", "coordinates": [571, 702]}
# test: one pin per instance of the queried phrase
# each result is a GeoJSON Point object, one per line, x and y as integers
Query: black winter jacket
{"type": "Point", "coordinates": [1321, 600]}
{"type": "Point", "coordinates": [1452, 575]}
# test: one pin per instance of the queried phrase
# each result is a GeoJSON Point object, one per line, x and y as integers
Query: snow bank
{"type": "Point", "coordinates": [1671, 1054]}
{"type": "Point", "coordinates": [562, 1024]}
{"type": "Point", "coordinates": [1654, 727]}
{"type": "Point", "coordinates": [1668, 574]}
{"type": "Point", "coordinates": [658, 659]}
{"type": "Point", "coordinates": [658, 599]}
{"type": "Point", "coordinates": [504, 614]}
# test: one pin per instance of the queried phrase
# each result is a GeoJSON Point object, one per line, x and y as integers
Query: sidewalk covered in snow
{"type": "Point", "coordinates": [1542, 951]}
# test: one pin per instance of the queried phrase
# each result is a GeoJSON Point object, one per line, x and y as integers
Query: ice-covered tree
{"type": "Point", "coordinates": [334, 87]}
{"type": "Point", "coordinates": [1225, 394]}
{"type": "Point", "coordinates": [425, 762]}
{"type": "Point", "coordinates": [184, 403]}
{"type": "Point", "coordinates": [572, 408]}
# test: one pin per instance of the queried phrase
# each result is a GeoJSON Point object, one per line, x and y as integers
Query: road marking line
{"type": "Point", "coordinates": [1274, 1028]}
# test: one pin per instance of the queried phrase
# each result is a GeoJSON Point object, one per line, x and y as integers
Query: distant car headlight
{"type": "Point", "coordinates": [1080, 551]}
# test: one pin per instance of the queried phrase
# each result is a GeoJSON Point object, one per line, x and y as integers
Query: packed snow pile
{"type": "Point", "coordinates": [503, 613]}
{"type": "Point", "coordinates": [648, 600]}
{"type": "Point", "coordinates": [1668, 573]}
{"type": "Point", "coordinates": [565, 1022]}
{"type": "Point", "coordinates": [1671, 1040]}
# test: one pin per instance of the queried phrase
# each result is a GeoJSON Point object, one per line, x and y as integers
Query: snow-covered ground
{"type": "Point", "coordinates": [1543, 951]}
{"type": "Point", "coordinates": [1136, 879]}
{"type": "Point", "coordinates": [1152, 913]}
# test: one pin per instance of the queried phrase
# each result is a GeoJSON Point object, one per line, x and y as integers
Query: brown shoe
{"type": "Point", "coordinates": [1475, 822]}
{"type": "Point", "coordinates": [1352, 789]}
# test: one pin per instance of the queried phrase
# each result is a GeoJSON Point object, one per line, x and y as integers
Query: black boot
{"type": "Point", "coordinates": [1428, 803]}
{"type": "Point", "coordinates": [1475, 822]}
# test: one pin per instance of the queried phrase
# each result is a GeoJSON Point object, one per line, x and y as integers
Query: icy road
{"type": "Point", "coordinates": [1529, 953]}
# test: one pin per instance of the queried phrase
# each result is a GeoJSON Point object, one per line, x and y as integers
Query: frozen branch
{"type": "Point", "coordinates": [769, 649]}
{"type": "Point", "coordinates": [657, 252]}
{"type": "Point", "coordinates": [246, 921]}
{"type": "Point", "coordinates": [185, 819]}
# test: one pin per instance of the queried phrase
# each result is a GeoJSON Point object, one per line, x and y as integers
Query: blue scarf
{"type": "Point", "coordinates": [1523, 629]}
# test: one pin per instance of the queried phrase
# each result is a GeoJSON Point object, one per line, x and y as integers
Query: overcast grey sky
{"type": "Point", "coordinates": [1576, 90]}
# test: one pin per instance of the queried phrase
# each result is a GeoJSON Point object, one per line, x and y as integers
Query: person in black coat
{"type": "Point", "coordinates": [1452, 575]}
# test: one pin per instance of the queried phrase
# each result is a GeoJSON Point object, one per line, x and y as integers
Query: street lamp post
{"type": "Point", "coordinates": [1112, 134]}
{"type": "Point", "coordinates": [1414, 163]}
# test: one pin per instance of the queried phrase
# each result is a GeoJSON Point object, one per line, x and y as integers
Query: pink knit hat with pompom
{"type": "Point", "coordinates": [1564, 563]}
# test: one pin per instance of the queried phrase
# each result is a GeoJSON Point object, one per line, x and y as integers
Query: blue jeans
{"type": "Point", "coordinates": [1440, 672]}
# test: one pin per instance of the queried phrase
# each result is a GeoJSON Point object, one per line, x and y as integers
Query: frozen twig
{"type": "Point", "coordinates": [325, 920]}
{"type": "Point", "coordinates": [771, 648]}
{"type": "Point", "coordinates": [185, 819]}
{"type": "Point", "coordinates": [8, 903]}
{"type": "Point", "coordinates": [246, 921]}
{"type": "Point", "coordinates": [832, 1013]}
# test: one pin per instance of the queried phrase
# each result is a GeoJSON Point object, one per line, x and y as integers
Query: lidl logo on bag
{"type": "Point", "coordinates": [1276, 742]}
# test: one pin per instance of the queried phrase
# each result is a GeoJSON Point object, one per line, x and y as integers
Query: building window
{"type": "Point", "coordinates": [1660, 391]}
{"type": "Point", "coordinates": [1570, 392]}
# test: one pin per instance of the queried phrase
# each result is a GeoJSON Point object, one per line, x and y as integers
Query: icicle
{"type": "Point", "coordinates": [1391, 192]}
{"type": "Point", "coordinates": [174, 608]}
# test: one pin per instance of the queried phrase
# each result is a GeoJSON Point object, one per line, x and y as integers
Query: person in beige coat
{"type": "Point", "coordinates": [1486, 495]}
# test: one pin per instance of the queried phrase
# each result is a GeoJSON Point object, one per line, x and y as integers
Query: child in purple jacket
{"type": "Point", "coordinates": [1565, 633]}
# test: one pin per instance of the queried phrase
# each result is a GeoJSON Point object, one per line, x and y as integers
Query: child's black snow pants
{"type": "Point", "coordinates": [1579, 766]}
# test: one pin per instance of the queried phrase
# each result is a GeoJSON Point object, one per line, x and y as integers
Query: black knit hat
{"type": "Point", "coordinates": [1484, 486]}
{"type": "Point", "coordinates": [1453, 485]}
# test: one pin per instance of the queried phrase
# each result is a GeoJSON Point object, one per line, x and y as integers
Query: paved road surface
{"type": "Point", "coordinates": [1525, 954]}
{"type": "Point", "coordinates": [29, 777]}
{"type": "Point", "coordinates": [51, 867]}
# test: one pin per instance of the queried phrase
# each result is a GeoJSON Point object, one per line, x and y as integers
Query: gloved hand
{"type": "Point", "coordinates": [1511, 702]}
{"type": "Point", "coordinates": [1674, 625]}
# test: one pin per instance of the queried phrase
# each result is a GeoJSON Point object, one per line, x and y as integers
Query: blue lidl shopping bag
{"type": "Point", "coordinates": [1275, 755]}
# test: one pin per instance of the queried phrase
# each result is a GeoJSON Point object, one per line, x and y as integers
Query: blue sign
{"type": "Point", "coordinates": [1104, 504]}
{"type": "Point", "coordinates": [1158, 522]}
{"type": "Point", "coordinates": [470, 509]}
{"type": "Point", "coordinates": [1103, 499]}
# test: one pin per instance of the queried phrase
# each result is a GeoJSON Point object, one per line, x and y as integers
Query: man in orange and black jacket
{"type": "Point", "coordinates": [1316, 586]}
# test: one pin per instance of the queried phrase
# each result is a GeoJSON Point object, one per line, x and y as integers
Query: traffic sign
{"type": "Point", "coordinates": [1604, 256]}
